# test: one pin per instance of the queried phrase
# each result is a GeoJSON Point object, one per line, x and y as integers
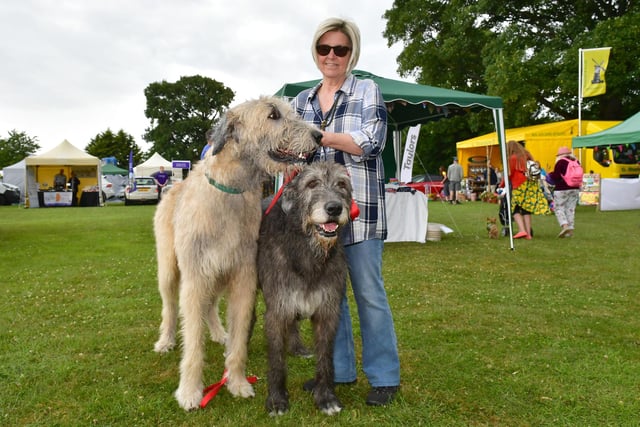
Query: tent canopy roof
{"type": "Point", "coordinates": [156, 160]}
{"type": "Point", "coordinates": [624, 133]}
{"type": "Point", "coordinates": [110, 169]}
{"type": "Point", "coordinates": [63, 154]}
{"type": "Point", "coordinates": [16, 166]}
{"type": "Point", "coordinates": [152, 164]}
{"type": "Point", "coordinates": [548, 131]}
{"type": "Point", "coordinates": [409, 104]}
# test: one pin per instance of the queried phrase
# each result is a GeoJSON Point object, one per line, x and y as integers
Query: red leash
{"type": "Point", "coordinates": [287, 180]}
{"type": "Point", "coordinates": [211, 391]}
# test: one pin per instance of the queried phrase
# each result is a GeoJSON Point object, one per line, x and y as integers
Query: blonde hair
{"type": "Point", "coordinates": [514, 148]}
{"type": "Point", "coordinates": [349, 29]}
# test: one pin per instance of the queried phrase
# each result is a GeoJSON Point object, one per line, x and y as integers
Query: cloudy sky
{"type": "Point", "coordinates": [71, 69]}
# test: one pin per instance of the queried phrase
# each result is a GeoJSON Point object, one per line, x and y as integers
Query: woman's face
{"type": "Point", "coordinates": [331, 65]}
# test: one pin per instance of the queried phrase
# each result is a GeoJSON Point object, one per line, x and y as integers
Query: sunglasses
{"type": "Point", "coordinates": [340, 51]}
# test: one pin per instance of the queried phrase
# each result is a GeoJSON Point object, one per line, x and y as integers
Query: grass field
{"type": "Point", "coordinates": [547, 334]}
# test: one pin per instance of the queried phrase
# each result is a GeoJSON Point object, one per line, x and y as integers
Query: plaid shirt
{"type": "Point", "coordinates": [360, 112]}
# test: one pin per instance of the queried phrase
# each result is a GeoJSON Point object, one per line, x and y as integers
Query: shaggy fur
{"type": "Point", "coordinates": [206, 232]}
{"type": "Point", "coordinates": [492, 228]}
{"type": "Point", "coordinates": [302, 271]}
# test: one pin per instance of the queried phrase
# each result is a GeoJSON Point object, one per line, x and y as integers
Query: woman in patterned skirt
{"type": "Point", "coordinates": [527, 197]}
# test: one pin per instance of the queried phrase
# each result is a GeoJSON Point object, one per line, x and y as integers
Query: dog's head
{"type": "Point", "coordinates": [491, 221]}
{"type": "Point", "coordinates": [265, 133]}
{"type": "Point", "coordinates": [320, 195]}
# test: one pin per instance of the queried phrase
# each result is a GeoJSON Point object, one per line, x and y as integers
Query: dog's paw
{"type": "Point", "coordinates": [328, 403]}
{"type": "Point", "coordinates": [301, 351]}
{"type": "Point", "coordinates": [219, 336]}
{"type": "Point", "coordinates": [188, 400]}
{"type": "Point", "coordinates": [164, 346]}
{"type": "Point", "coordinates": [277, 405]}
{"type": "Point", "coordinates": [332, 409]}
{"type": "Point", "coordinates": [240, 387]}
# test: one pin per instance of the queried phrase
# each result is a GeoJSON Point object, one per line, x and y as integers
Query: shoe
{"type": "Point", "coordinates": [458, 202]}
{"type": "Point", "coordinates": [527, 237]}
{"type": "Point", "coordinates": [564, 232]}
{"type": "Point", "coordinates": [309, 385]}
{"type": "Point", "coordinates": [380, 396]}
{"type": "Point", "coordinates": [520, 235]}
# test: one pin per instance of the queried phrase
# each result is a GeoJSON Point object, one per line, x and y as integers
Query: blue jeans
{"type": "Point", "coordinates": [380, 360]}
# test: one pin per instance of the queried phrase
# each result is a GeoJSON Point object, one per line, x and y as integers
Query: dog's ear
{"type": "Point", "coordinates": [226, 130]}
{"type": "Point", "coordinates": [287, 200]}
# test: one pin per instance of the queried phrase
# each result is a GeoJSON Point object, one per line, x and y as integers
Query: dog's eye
{"type": "Point", "coordinates": [341, 184]}
{"type": "Point", "coordinates": [275, 114]}
{"type": "Point", "coordinates": [313, 184]}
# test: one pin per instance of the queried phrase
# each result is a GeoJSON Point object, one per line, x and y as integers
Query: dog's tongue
{"type": "Point", "coordinates": [330, 227]}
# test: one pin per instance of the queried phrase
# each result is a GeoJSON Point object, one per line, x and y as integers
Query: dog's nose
{"type": "Point", "coordinates": [317, 135]}
{"type": "Point", "coordinates": [333, 208]}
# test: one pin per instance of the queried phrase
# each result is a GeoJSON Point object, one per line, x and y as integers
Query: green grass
{"type": "Point", "coordinates": [546, 334]}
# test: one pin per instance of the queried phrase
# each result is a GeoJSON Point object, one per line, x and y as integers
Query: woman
{"type": "Point", "coordinates": [526, 196]}
{"type": "Point", "coordinates": [445, 182]}
{"type": "Point", "coordinates": [353, 119]}
{"type": "Point", "coordinates": [565, 197]}
{"type": "Point", "coordinates": [74, 183]}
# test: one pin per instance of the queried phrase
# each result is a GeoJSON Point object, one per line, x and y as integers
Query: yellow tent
{"type": "Point", "coordinates": [40, 170]}
{"type": "Point", "coordinates": [542, 141]}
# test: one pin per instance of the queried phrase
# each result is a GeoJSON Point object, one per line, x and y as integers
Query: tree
{"type": "Point", "coordinates": [526, 52]}
{"type": "Point", "coordinates": [181, 113]}
{"type": "Point", "coordinates": [16, 147]}
{"type": "Point", "coordinates": [108, 144]}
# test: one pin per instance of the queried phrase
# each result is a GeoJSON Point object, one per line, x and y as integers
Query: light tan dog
{"type": "Point", "coordinates": [492, 228]}
{"type": "Point", "coordinates": [206, 231]}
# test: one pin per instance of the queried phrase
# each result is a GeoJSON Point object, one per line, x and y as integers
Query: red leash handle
{"type": "Point", "coordinates": [211, 391]}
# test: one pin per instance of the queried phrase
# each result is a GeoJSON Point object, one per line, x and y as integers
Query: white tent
{"type": "Point", "coordinates": [14, 174]}
{"type": "Point", "coordinates": [40, 169]}
{"type": "Point", "coordinates": [152, 165]}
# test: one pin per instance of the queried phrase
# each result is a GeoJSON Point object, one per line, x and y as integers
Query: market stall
{"type": "Point", "coordinates": [41, 170]}
{"type": "Point", "coordinates": [152, 165]}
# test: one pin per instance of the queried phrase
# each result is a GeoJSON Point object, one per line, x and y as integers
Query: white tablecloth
{"type": "Point", "coordinates": [56, 198]}
{"type": "Point", "coordinates": [407, 216]}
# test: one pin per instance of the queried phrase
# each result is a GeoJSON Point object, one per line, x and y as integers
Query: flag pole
{"type": "Point", "coordinates": [580, 60]}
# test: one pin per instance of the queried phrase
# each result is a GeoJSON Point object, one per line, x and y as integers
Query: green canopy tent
{"type": "Point", "coordinates": [409, 104]}
{"type": "Point", "coordinates": [626, 132]}
{"type": "Point", "coordinates": [110, 169]}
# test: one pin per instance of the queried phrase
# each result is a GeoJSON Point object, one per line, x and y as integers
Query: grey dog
{"type": "Point", "coordinates": [302, 271]}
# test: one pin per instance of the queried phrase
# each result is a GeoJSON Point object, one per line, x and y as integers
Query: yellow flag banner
{"type": "Point", "coordinates": [594, 67]}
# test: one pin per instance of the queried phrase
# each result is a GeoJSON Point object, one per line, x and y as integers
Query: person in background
{"type": "Point", "coordinates": [60, 181]}
{"type": "Point", "coordinates": [493, 178]}
{"type": "Point", "coordinates": [445, 182]}
{"type": "Point", "coordinates": [162, 179]}
{"type": "Point", "coordinates": [207, 146]}
{"type": "Point", "coordinates": [526, 195]}
{"type": "Point", "coordinates": [352, 117]}
{"type": "Point", "coordinates": [455, 175]}
{"type": "Point", "coordinates": [74, 183]}
{"type": "Point", "coordinates": [565, 197]}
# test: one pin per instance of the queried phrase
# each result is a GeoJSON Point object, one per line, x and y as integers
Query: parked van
{"type": "Point", "coordinates": [619, 161]}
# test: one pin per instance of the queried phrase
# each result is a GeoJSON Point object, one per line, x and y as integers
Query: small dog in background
{"type": "Point", "coordinates": [492, 228]}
